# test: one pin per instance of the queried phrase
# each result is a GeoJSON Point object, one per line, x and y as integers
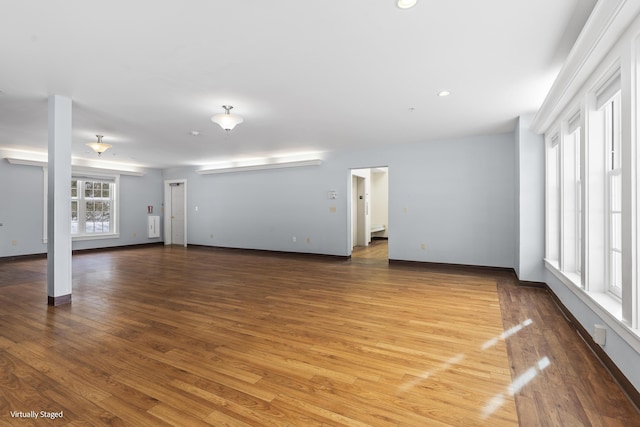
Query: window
{"type": "Point", "coordinates": [578, 197]}
{"type": "Point", "coordinates": [553, 200]}
{"type": "Point", "coordinates": [585, 215]}
{"type": "Point", "coordinates": [92, 206]}
{"type": "Point", "coordinates": [599, 190]}
{"type": "Point", "coordinates": [612, 122]}
{"type": "Point", "coordinates": [571, 199]}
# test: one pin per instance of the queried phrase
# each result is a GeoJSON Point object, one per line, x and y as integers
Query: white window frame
{"type": "Point", "coordinates": [552, 183]}
{"type": "Point", "coordinates": [571, 198]}
{"type": "Point", "coordinates": [612, 143]}
{"type": "Point", "coordinates": [89, 174]}
{"type": "Point", "coordinates": [81, 199]}
{"type": "Point", "coordinates": [603, 62]}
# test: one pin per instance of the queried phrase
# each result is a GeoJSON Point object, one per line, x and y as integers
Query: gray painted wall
{"type": "Point", "coordinates": [455, 196]}
{"type": "Point", "coordinates": [22, 210]}
{"type": "Point", "coordinates": [530, 201]}
{"type": "Point", "coordinates": [472, 201]}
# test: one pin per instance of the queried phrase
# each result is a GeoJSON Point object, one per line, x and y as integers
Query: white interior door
{"type": "Point", "coordinates": [354, 211]}
{"type": "Point", "coordinates": [177, 214]}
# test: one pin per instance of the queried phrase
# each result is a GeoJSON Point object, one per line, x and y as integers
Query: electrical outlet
{"type": "Point", "coordinates": [600, 334]}
{"type": "Point", "coordinates": [211, 235]}
{"type": "Point", "coordinates": [135, 234]}
{"type": "Point", "coordinates": [423, 246]}
{"type": "Point", "coordinates": [294, 239]}
{"type": "Point", "coordinates": [308, 240]}
{"type": "Point", "coordinates": [14, 243]}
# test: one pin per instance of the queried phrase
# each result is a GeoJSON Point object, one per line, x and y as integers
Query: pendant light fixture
{"type": "Point", "coordinates": [99, 147]}
{"type": "Point", "coordinates": [226, 120]}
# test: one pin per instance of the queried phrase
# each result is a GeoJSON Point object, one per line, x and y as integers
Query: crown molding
{"type": "Point", "coordinates": [606, 24]}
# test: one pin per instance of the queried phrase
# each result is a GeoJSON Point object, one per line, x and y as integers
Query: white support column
{"type": "Point", "coordinates": [58, 198]}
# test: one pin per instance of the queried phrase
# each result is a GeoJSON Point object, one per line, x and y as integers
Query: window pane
{"type": "Point", "coordinates": [616, 231]}
{"type": "Point", "coordinates": [616, 192]}
{"type": "Point", "coordinates": [616, 270]}
{"type": "Point", "coordinates": [615, 133]}
{"type": "Point", "coordinates": [553, 208]}
{"type": "Point", "coordinates": [74, 211]}
{"type": "Point", "coordinates": [74, 217]}
{"type": "Point", "coordinates": [91, 213]}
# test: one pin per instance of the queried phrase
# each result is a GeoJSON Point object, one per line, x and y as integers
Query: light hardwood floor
{"type": "Point", "coordinates": [197, 336]}
{"type": "Point", "coordinates": [378, 249]}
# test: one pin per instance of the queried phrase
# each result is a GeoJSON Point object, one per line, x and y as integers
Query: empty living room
{"type": "Point", "coordinates": [390, 213]}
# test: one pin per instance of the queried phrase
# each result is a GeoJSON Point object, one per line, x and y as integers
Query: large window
{"type": "Point", "coordinates": [572, 199]}
{"type": "Point", "coordinates": [553, 200]}
{"type": "Point", "coordinates": [93, 203]}
{"type": "Point", "coordinates": [92, 206]}
{"type": "Point", "coordinates": [588, 183]}
{"type": "Point", "coordinates": [613, 169]}
{"type": "Point", "coordinates": [598, 264]}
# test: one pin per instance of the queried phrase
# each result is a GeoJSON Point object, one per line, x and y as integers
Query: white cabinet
{"type": "Point", "coordinates": [153, 229]}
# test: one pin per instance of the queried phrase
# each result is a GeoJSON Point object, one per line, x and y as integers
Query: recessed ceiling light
{"type": "Point", "coordinates": [194, 133]}
{"type": "Point", "coordinates": [406, 4]}
{"type": "Point", "coordinates": [444, 93]}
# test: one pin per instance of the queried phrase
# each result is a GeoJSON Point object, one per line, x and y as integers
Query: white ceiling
{"type": "Point", "coordinates": [306, 76]}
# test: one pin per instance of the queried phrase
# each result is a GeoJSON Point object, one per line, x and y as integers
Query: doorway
{"type": "Point", "coordinates": [370, 213]}
{"type": "Point", "coordinates": [175, 218]}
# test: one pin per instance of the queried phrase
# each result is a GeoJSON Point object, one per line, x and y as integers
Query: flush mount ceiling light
{"type": "Point", "coordinates": [226, 120]}
{"type": "Point", "coordinates": [99, 147]}
{"type": "Point", "coordinates": [444, 93]}
{"type": "Point", "coordinates": [406, 4]}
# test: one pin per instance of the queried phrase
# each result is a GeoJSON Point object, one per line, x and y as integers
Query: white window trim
{"type": "Point", "coordinates": [612, 91]}
{"type": "Point", "coordinates": [609, 41]}
{"type": "Point", "coordinates": [552, 242]}
{"type": "Point", "coordinates": [569, 161]}
{"type": "Point", "coordinates": [115, 211]}
{"type": "Point", "coordinates": [575, 130]}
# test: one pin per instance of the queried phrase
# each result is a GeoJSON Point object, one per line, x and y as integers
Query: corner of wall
{"type": "Point", "coordinates": [529, 202]}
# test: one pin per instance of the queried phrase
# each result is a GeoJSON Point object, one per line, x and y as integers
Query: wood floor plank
{"type": "Point", "coordinates": [196, 336]}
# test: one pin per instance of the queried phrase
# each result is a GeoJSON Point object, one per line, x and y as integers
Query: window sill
{"type": "Point", "coordinates": [82, 237]}
{"type": "Point", "coordinates": [605, 306]}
